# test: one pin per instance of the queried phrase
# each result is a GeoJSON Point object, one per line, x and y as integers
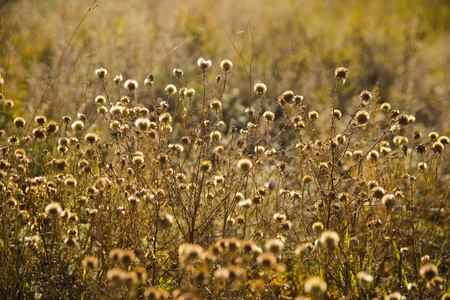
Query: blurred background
{"type": "Point", "coordinates": [401, 46]}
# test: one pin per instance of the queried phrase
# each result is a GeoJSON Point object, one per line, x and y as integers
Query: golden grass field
{"type": "Point", "coordinates": [224, 149]}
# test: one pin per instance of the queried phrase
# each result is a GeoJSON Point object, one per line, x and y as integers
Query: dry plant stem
{"type": "Point", "coordinates": [91, 7]}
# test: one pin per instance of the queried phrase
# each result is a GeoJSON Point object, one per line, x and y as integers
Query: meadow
{"type": "Point", "coordinates": [224, 150]}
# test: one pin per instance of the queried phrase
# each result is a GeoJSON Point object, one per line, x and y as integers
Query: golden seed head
{"type": "Point", "coordinates": [329, 239]}
{"type": "Point", "coordinates": [245, 164]}
{"type": "Point", "coordinates": [101, 73]}
{"type": "Point", "coordinates": [78, 125]}
{"type": "Point", "coordinates": [341, 74]}
{"type": "Point", "coordinates": [170, 89]}
{"type": "Point", "coordinates": [260, 88]}
{"type": "Point", "coordinates": [226, 65]}
{"type": "Point", "coordinates": [269, 116]}
{"type": "Point", "coordinates": [131, 85]}
{"type": "Point", "coordinates": [362, 117]}
{"type": "Point", "coordinates": [315, 286]}
{"type": "Point", "coordinates": [428, 271]}
{"type": "Point", "coordinates": [19, 122]}
{"type": "Point", "coordinates": [204, 64]}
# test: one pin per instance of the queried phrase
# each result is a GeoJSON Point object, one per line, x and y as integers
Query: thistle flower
{"type": "Point", "coordinates": [433, 136]}
{"type": "Point", "coordinates": [362, 117]}
{"type": "Point", "coordinates": [101, 73]}
{"type": "Point", "coordinates": [78, 125]}
{"type": "Point", "coordinates": [205, 165]}
{"type": "Point", "coordinates": [215, 135]}
{"type": "Point", "coordinates": [100, 100]}
{"type": "Point", "coordinates": [260, 88]}
{"type": "Point", "coordinates": [165, 118]}
{"type": "Point", "coordinates": [90, 263]}
{"type": "Point", "coordinates": [365, 97]}
{"type": "Point", "coordinates": [39, 133]}
{"type": "Point", "coordinates": [189, 93]}
{"type": "Point", "coordinates": [337, 114]}
{"type": "Point", "coordinates": [245, 164]}
{"type": "Point", "coordinates": [389, 200]}
{"type": "Point", "coordinates": [142, 124]}
{"type": "Point", "coordinates": [170, 89]}
{"type": "Point", "coordinates": [266, 259]}
{"type": "Point", "coordinates": [178, 73]}
{"type": "Point", "coordinates": [274, 245]}
{"type": "Point", "coordinates": [226, 65]}
{"type": "Point", "coordinates": [91, 138]}
{"type": "Point", "coordinates": [313, 115]}
{"type": "Point", "coordinates": [329, 239]}
{"type": "Point", "coordinates": [203, 63]}
{"type": "Point", "coordinates": [52, 127]}
{"type": "Point", "coordinates": [428, 271]}
{"type": "Point", "coordinates": [286, 98]}
{"type": "Point", "coordinates": [317, 227]}
{"type": "Point", "coordinates": [269, 116]}
{"type": "Point", "coordinates": [19, 122]}
{"type": "Point", "coordinates": [437, 147]}
{"type": "Point", "coordinates": [131, 85]}
{"type": "Point", "coordinates": [385, 106]}
{"type": "Point", "coordinates": [118, 79]}
{"type": "Point", "coordinates": [216, 104]}
{"type": "Point", "coordinates": [341, 74]}
{"type": "Point", "coordinates": [304, 249]}
{"type": "Point", "coordinates": [41, 120]}
{"type": "Point", "coordinates": [189, 252]}
{"type": "Point", "coordinates": [315, 286]}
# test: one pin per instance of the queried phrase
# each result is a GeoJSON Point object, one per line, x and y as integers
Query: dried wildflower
{"type": "Point", "coordinates": [100, 100]}
{"type": "Point", "coordinates": [330, 239]}
{"type": "Point", "coordinates": [142, 124]}
{"type": "Point", "coordinates": [78, 125]}
{"type": "Point", "coordinates": [365, 97]}
{"type": "Point", "coordinates": [131, 85]}
{"type": "Point", "coordinates": [394, 296]}
{"type": "Point", "coordinates": [445, 296]}
{"type": "Point", "coordinates": [266, 259]}
{"type": "Point", "coordinates": [317, 227]}
{"type": "Point", "coordinates": [444, 140]}
{"type": "Point", "coordinates": [389, 201]}
{"type": "Point", "coordinates": [385, 106]}
{"type": "Point", "coordinates": [9, 103]}
{"type": "Point", "coordinates": [304, 249]}
{"type": "Point", "coordinates": [245, 164]}
{"type": "Point", "coordinates": [313, 115]}
{"type": "Point", "coordinates": [286, 98]}
{"type": "Point", "coordinates": [189, 252]}
{"type": "Point", "coordinates": [337, 114]}
{"type": "Point", "coordinates": [52, 127]}
{"type": "Point", "coordinates": [216, 104]}
{"type": "Point", "coordinates": [433, 136]}
{"type": "Point", "coordinates": [101, 73]}
{"type": "Point", "coordinates": [166, 221]}
{"type": "Point", "coordinates": [39, 133]}
{"type": "Point", "coordinates": [226, 65]}
{"type": "Point", "coordinates": [178, 74]}
{"type": "Point", "coordinates": [437, 147]}
{"type": "Point", "coordinates": [127, 257]}
{"type": "Point", "coordinates": [428, 271]}
{"type": "Point", "coordinates": [205, 165]}
{"type": "Point", "coordinates": [170, 89]}
{"type": "Point", "coordinates": [189, 93]}
{"type": "Point", "coordinates": [341, 74]}
{"type": "Point", "coordinates": [362, 117]}
{"type": "Point", "coordinates": [260, 88]}
{"type": "Point", "coordinates": [53, 209]}
{"type": "Point", "coordinates": [70, 241]}
{"type": "Point", "coordinates": [203, 63]}
{"type": "Point", "coordinates": [315, 286]}
{"type": "Point", "coordinates": [378, 192]}
{"type": "Point", "coordinates": [19, 122]}
{"type": "Point", "coordinates": [91, 138]}
{"type": "Point", "coordinates": [269, 116]}
{"type": "Point", "coordinates": [70, 182]}
{"type": "Point", "coordinates": [274, 245]}
{"type": "Point", "coordinates": [90, 263]}
{"type": "Point", "coordinates": [215, 136]}
{"type": "Point", "coordinates": [115, 274]}
{"type": "Point", "coordinates": [41, 120]}
{"type": "Point", "coordinates": [165, 118]}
